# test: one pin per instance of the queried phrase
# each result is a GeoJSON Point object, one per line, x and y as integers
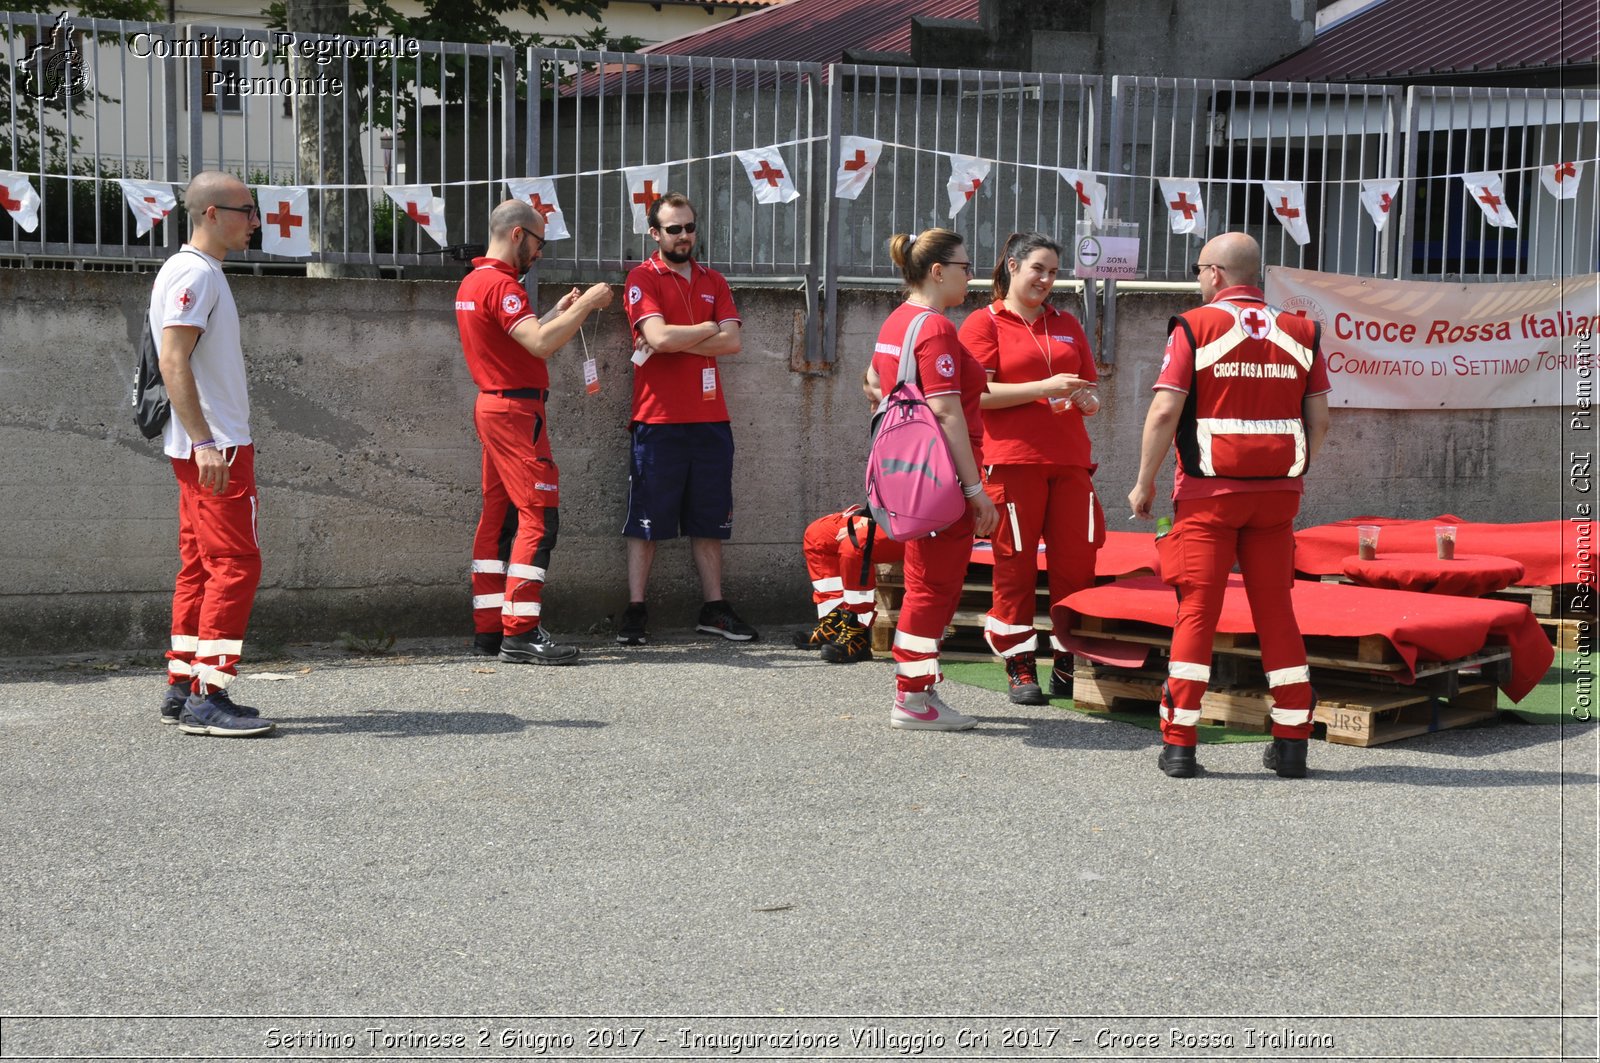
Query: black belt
{"type": "Point", "coordinates": [521, 393]}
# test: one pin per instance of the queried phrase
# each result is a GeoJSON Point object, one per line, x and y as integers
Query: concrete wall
{"type": "Point", "coordinates": [369, 468]}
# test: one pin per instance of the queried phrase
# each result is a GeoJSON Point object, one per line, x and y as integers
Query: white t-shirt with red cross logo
{"type": "Point", "coordinates": [192, 290]}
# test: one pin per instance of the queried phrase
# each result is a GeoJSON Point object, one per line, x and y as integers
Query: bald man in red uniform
{"type": "Point", "coordinates": [1243, 392]}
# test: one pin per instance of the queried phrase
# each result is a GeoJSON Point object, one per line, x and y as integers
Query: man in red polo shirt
{"type": "Point", "coordinates": [1243, 391]}
{"type": "Point", "coordinates": [681, 474]}
{"type": "Point", "coordinates": [506, 346]}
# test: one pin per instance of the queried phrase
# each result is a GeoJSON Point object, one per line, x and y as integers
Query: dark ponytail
{"type": "Point", "coordinates": [1019, 246]}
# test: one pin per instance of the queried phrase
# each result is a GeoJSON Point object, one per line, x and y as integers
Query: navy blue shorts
{"type": "Point", "coordinates": [680, 481]}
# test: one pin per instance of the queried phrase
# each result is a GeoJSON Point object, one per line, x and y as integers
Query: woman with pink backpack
{"type": "Point", "coordinates": [936, 269]}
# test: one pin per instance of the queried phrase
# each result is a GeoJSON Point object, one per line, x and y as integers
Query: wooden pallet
{"type": "Point", "coordinates": [1349, 715]}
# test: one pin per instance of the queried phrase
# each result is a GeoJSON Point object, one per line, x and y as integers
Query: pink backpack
{"type": "Point", "coordinates": [912, 486]}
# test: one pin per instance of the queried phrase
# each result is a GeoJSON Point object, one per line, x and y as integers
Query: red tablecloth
{"type": "Point", "coordinates": [1546, 548]}
{"type": "Point", "coordinates": [1123, 554]}
{"type": "Point", "coordinates": [1468, 575]}
{"type": "Point", "coordinates": [1423, 627]}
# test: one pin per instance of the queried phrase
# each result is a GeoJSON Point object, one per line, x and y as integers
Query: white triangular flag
{"type": "Point", "coordinates": [1089, 193]}
{"type": "Point", "coordinates": [540, 193]}
{"type": "Point", "coordinates": [19, 199]}
{"type": "Point", "coordinates": [150, 201]}
{"type": "Point", "coordinates": [418, 203]}
{"type": "Point", "coordinates": [645, 185]}
{"type": "Point", "coordinates": [285, 210]}
{"type": "Point", "coordinates": [769, 175]}
{"type": "Point", "coordinates": [1561, 179]}
{"type": "Point", "coordinates": [1485, 190]}
{"type": "Point", "coordinates": [967, 174]}
{"type": "Point", "coordinates": [1379, 199]}
{"type": "Point", "coordinates": [858, 157]}
{"type": "Point", "coordinates": [1287, 201]}
{"type": "Point", "coordinates": [1186, 212]}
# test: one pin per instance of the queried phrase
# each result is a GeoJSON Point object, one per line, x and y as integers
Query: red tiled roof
{"type": "Point", "coordinates": [1399, 39]}
{"type": "Point", "coordinates": [816, 31]}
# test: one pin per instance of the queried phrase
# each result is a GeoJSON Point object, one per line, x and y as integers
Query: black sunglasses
{"type": "Point", "coordinates": [1198, 266]}
{"type": "Point", "coordinates": [674, 230]}
{"type": "Point", "coordinates": [252, 211]}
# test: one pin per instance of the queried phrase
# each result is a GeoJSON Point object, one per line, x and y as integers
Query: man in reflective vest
{"type": "Point", "coordinates": [1243, 391]}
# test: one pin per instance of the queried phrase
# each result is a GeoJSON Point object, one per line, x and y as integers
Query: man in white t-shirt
{"type": "Point", "coordinates": [195, 323]}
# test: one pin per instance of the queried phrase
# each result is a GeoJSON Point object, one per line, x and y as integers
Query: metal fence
{"type": "Point", "coordinates": [160, 102]}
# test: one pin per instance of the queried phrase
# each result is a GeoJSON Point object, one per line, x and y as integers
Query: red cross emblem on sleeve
{"type": "Point", "coordinates": [414, 212]}
{"type": "Point", "coordinates": [184, 300]}
{"type": "Point", "coordinates": [766, 172]}
{"type": "Point", "coordinates": [1256, 324]}
{"type": "Point", "coordinates": [647, 195]}
{"type": "Point", "coordinates": [857, 163]}
{"type": "Point", "coordinates": [285, 219]}
{"type": "Point", "coordinates": [1184, 207]}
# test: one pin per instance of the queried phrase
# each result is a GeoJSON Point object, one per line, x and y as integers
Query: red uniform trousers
{"type": "Point", "coordinates": [219, 566]}
{"type": "Point", "coordinates": [1258, 528]}
{"type": "Point", "coordinates": [520, 520]}
{"type": "Point", "coordinates": [1053, 502]}
{"type": "Point", "coordinates": [934, 570]}
{"type": "Point", "coordinates": [834, 565]}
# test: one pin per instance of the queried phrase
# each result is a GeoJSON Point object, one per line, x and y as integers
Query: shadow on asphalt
{"type": "Point", "coordinates": [396, 723]}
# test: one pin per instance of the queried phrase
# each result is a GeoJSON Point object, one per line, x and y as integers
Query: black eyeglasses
{"type": "Point", "coordinates": [674, 230]}
{"type": "Point", "coordinates": [1198, 266]}
{"type": "Point", "coordinates": [255, 214]}
{"type": "Point", "coordinates": [964, 265]}
{"type": "Point", "coordinates": [536, 236]}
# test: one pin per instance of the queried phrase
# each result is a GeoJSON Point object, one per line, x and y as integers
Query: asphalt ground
{"type": "Point", "coordinates": [731, 841]}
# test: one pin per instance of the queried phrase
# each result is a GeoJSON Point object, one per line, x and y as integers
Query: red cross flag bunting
{"type": "Point", "coordinates": [967, 174]}
{"type": "Point", "coordinates": [1561, 179]}
{"type": "Point", "coordinates": [858, 157]}
{"type": "Point", "coordinates": [285, 214]}
{"type": "Point", "coordinates": [540, 194]}
{"type": "Point", "coordinates": [1088, 194]}
{"type": "Point", "coordinates": [1185, 210]}
{"type": "Point", "coordinates": [1485, 190]}
{"type": "Point", "coordinates": [645, 185]}
{"type": "Point", "coordinates": [1380, 198]}
{"type": "Point", "coordinates": [19, 199]}
{"type": "Point", "coordinates": [418, 203]}
{"type": "Point", "coordinates": [150, 201]}
{"type": "Point", "coordinates": [1287, 201]}
{"type": "Point", "coordinates": [770, 176]}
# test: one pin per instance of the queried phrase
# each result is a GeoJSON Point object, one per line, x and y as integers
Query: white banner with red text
{"type": "Point", "coordinates": [1427, 345]}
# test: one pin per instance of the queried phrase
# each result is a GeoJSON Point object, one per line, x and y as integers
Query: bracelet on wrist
{"type": "Point", "coordinates": [204, 444]}
{"type": "Point", "coordinates": [972, 490]}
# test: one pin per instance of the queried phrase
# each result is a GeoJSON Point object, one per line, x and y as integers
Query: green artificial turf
{"type": "Point", "coordinates": [1551, 702]}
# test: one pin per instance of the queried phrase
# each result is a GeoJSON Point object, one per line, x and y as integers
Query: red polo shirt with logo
{"type": "Point", "coordinates": [1014, 351]}
{"type": "Point", "coordinates": [489, 304]}
{"type": "Point", "coordinates": [667, 389]}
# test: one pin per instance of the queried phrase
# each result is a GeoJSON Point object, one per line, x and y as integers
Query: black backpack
{"type": "Point", "coordinates": [151, 407]}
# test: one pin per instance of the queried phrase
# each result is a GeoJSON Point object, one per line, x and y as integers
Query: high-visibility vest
{"type": "Point", "coordinates": [1244, 418]}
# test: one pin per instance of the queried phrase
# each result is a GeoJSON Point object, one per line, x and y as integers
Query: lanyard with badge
{"type": "Point", "coordinates": [708, 375]}
{"type": "Point", "coordinates": [591, 372]}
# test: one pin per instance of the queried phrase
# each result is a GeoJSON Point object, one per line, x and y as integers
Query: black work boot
{"type": "Point", "coordinates": [1287, 757]}
{"type": "Point", "coordinates": [486, 644]}
{"type": "Point", "coordinates": [1061, 676]}
{"type": "Point", "coordinates": [536, 647]}
{"type": "Point", "coordinates": [848, 643]}
{"type": "Point", "coordinates": [1023, 679]}
{"type": "Point", "coordinates": [1177, 761]}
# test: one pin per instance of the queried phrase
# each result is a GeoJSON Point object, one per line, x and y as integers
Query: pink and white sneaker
{"type": "Point", "coordinates": [926, 711]}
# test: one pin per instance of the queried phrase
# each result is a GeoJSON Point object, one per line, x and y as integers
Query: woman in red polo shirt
{"type": "Point", "coordinates": [936, 268]}
{"type": "Point", "coordinates": [1041, 386]}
